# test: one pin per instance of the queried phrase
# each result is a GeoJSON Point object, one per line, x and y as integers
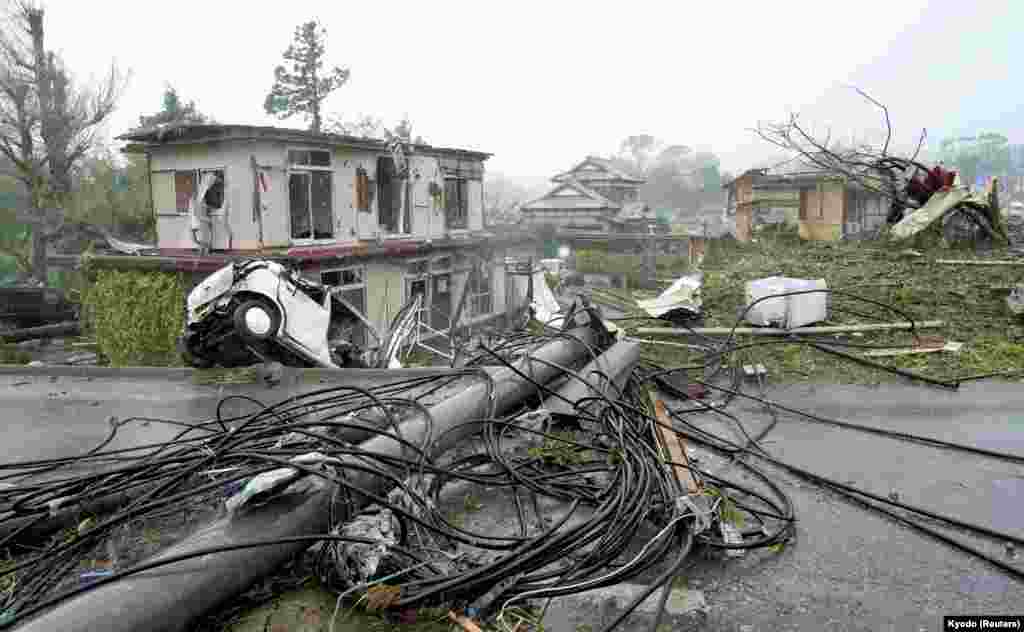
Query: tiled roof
{"type": "Point", "coordinates": [587, 199]}
{"type": "Point", "coordinates": [610, 169]}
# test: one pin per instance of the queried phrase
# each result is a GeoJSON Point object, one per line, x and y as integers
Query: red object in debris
{"type": "Point", "coordinates": [696, 391]}
{"type": "Point", "coordinates": [935, 180]}
{"type": "Point", "coordinates": [950, 178]}
{"type": "Point", "coordinates": [407, 616]}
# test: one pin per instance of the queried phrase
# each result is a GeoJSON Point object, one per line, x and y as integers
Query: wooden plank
{"type": "Point", "coordinates": [771, 331]}
{"type": "Point", "coordinates": [971, 262]}
{"type": "Point", "coordinates": [953, 347]}
{"type": "Point", "coordinates": [675, 444]}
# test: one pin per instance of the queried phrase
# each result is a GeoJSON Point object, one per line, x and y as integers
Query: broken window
{"type": "Point", "coordinates": [214, 196]}
{"type": "Point", "coordinates": [343, 277]}
{"type": "Point", "coordinates": [349, 285]}
{"type": "Point", "coordinates": [208, 182]}
{"type": "Point", "coordinates": [389, 196]}
{"type": "Point", "coordinates": [309, 201]}
{"type": "Point", "coordinates": [456, 202]}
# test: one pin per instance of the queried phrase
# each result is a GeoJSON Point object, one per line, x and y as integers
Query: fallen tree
{"type": "Point", "coordinates": [908, 183]}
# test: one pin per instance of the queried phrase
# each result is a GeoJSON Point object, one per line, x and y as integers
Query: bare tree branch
{"type": "Point", "coordinates": [920, 143]}
{"type": "Point", "coordinates": [885, 110]}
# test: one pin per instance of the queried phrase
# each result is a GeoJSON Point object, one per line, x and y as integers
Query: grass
{"type": "Point", "coordinates": [596, 260]}
{"type": "Point", "coordinates": [11, 354]}
{"type": "Point", "coordinates": [558, 450]}
{"type": "Point", "coordinates": [966, 298]}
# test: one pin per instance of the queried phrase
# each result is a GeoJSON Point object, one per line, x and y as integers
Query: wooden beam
{"type": "Point", "coordinates": [675, 445]}
{"type": "Point", "coordinates": [771, 331]}
{"type": "Point", "coordinates": [953, 347]}
{"type": "Point", "coordinates": [971, 262]}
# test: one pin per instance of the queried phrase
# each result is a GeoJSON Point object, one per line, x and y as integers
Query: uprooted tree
{"type": "Point", "coordinates": [302, 85]}
{"type": "Point", "coordinates": [48, 125]}
{"type": "Point", "coordinates": [903, 179]}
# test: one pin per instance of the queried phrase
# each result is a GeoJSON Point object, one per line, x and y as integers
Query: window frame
{"type": "Point", "coordinates": [462, 187]}
{"type": "Point", "coordinates": [293, 168]}
{"type": "Point", "coordinates": [364, 335]}
{"type": "Point", "coordinates": [398, 190]}
{"type": "Point", "coordinates": [361, 270]}
{"type": "Point", "coordinates": [478, 294]}
{"type": "Point", "coordinates": [294, 165]}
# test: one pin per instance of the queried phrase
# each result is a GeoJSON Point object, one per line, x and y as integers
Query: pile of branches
{"type": "Point", "coordinates": [906, 182]}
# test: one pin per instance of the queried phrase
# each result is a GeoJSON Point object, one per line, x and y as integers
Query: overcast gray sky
{"type": "Point", "coordinates": [541, 84]}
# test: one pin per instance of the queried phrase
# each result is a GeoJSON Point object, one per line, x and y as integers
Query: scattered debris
{"type": "Point", "coordinates": [1015, 301]}
{"type": "Point", "coordinates": [681, 302]}
{"type": "Point", "coordinates": [545, 306]}
{"type": "Point", "coordinates": [766, 309]}
{"type": "Point", "coordinates": [758, 370]}
{"type": "Point", "coordinates": [937, 206]}
{"type": "Point", "coordinates": [36, 335]}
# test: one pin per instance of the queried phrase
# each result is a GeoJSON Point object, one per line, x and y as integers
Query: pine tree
{"type": "Point", "coordinates": [300, 86]}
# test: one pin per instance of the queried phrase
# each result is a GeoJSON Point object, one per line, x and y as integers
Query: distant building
{"type": "Point", "coordinates": [823, 205]}
{"type": "Point", "coordinates": [592, 197]}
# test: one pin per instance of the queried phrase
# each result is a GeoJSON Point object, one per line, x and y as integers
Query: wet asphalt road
{"type": "Point", "coordinates": [849, 569]}
{"type": "Point", "coordinates": [852, 569]}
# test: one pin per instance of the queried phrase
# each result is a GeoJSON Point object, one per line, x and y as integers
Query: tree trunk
{"type": "Point", "coordinates": [315, 127]}
{"type": "Point", "coordinates": [39, 263]}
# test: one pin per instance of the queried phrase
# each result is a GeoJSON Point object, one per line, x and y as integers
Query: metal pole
{"type": "Point", "coordinates": [172, 597]}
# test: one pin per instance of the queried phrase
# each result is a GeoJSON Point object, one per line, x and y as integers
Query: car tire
{"type": "Point", "coordinates": [256, 320]}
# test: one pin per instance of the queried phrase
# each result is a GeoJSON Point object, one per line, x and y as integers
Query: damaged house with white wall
{"type": "Point", "coordinates": [377, 223]}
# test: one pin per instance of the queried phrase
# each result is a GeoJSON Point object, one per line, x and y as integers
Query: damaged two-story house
{"type": "Point", "coordinates": [377, 222]}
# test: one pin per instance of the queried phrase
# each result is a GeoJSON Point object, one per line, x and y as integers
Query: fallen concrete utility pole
{"type": "Point", "coordinates": [45, 331]}
{"type": "Point", "coordinates": [172, 597]}
{"type": "Point", "coordinates": [771, 331]}
{"type": "Point", "coordinates": [606, 375]}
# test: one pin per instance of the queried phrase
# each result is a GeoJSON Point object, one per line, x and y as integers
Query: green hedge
{"type": "Point", "coordinates": [135, 316]}
{"type": "Point", "coordinates": [630, 265]}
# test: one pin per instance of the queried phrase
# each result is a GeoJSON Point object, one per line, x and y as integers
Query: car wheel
{"type": "Point", "coordinates": [256, 320]}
